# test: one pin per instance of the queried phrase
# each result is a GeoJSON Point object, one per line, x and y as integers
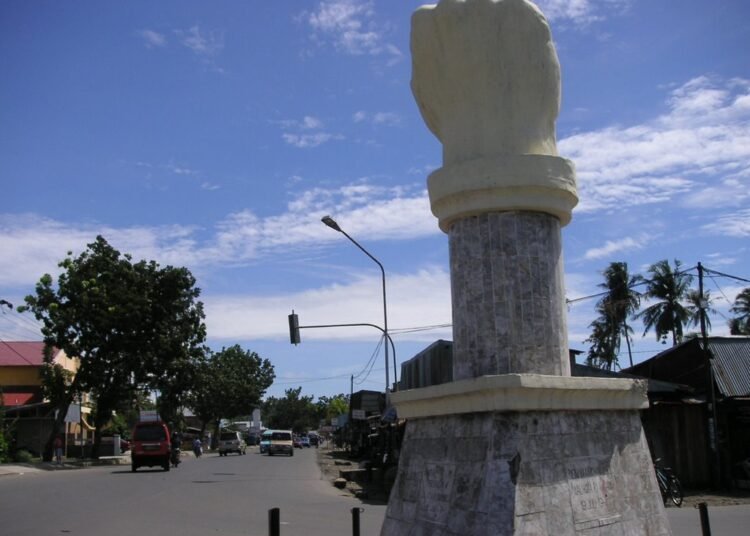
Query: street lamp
{"type": "Point", "coordinates": [330, 222]}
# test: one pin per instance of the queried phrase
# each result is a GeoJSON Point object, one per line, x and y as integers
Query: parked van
{"type": "Point", "coordinates": [150, 445]}
{"type": "Point", "coordinates": [281, 443]}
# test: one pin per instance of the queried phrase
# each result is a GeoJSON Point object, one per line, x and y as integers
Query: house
{"type": "Point", "coordinates": [21, 363]}
{"type": "Point", "coordinates": [681, 424]}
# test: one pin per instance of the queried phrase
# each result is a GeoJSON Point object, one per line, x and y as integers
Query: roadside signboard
{"type": "Point", "coordinates": [359, 414]}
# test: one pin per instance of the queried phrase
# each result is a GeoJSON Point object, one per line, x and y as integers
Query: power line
{"type": "Point", "coordinates": [636, 284]}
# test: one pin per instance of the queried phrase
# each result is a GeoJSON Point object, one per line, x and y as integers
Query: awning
{"type": "Point", "coordinates": [17, 399]}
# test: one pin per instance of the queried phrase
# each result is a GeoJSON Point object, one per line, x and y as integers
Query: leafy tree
{"type": "Point", "coordinates": [670, 287]}
{"type": "Point", "coordinates": [694, 308]}
{"type": "Point", "coordinates": [128, 324]}
{"type": "Point", "coordinates": [740, 324]}
{"type": "Point", "coordinates": [4, 433]}
{"type": "Point", "coordinates": [229, 383]}
{"type": "Point", "coordinates": [618, 304]}
{"type": "Point", "coordinates": [293, 411]}
{"type": "Point", "coordinates": [329, 407]}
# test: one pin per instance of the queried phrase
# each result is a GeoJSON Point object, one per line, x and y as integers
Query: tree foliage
{"type": "Point", "coordinates": [129, 324]}
{"type": "Point", "coordinates": [618, 304]}
{"type": "Point", "coordinates": [669, 287]}
{"type": "Point", "coordinates": [294, 412]}
{"type": "Point", "coordinates": [740, 324]}
{"type": "Point", "coordinates": [230, 383]}
{"type": "Point", "coordinates": [333, 406]}
{"type": "Point", "coordinates": [4, 433]}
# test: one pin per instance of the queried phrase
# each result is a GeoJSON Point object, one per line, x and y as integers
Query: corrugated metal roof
{"type": "Point", "coordinates": [731, 364]}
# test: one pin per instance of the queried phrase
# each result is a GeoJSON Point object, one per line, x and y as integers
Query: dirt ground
{"type": "Point", "coordinates": [332, 462]}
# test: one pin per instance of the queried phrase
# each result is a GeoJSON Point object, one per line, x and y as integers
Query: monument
{"type": "Point", "coordinates": [514, 445]}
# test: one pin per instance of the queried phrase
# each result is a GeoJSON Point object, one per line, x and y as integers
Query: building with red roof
{"type": "Point", "coordinates": [20, 366]}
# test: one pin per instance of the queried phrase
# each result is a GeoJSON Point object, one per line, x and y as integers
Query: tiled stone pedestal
{"type": "Point", "coordinates": [531, 470]}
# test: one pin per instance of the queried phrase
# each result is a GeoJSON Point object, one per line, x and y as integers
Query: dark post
{"type": "Point", "coordinates": [713, 423]}
{"type": "Point", "coordinates": [705, 524]}
{"type": "Point", "coordinates": [274, 522]}
{"type": "Point", "coordinates": [355, 520]}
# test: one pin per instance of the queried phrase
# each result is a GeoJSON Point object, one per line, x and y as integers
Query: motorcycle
{"type": "Point", "coordinates": [175, 455]}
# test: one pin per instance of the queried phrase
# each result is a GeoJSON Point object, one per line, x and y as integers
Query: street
{"type": "Point", "coordinates": [210, 495]}
{"type": "Point", "coordinates": [216, 495]}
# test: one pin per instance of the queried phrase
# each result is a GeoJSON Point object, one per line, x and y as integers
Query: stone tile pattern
{"type": "Point", "coordinates": [533, 473]}
{"type": "Point", "coordinates": [508, 295]}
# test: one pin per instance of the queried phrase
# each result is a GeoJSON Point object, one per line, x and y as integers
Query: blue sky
{"type": "Point", "coordinates": [216, 135]}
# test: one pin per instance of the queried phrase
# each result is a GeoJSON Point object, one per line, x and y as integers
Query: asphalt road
{"type": "Point", "coordinates": [208, 496]}
{"type": "Point", "coordinates": [222, 496]}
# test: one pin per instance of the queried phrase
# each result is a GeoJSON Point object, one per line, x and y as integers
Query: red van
{"type": "Point", "coordinates": [150, 445]}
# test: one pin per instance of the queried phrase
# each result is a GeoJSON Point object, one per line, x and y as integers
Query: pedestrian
{"type": "Point", "coordinates": [58, 444]}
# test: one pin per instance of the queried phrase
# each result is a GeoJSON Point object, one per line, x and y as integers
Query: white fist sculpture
{"type": "Point", "coordinates": [486, 77]}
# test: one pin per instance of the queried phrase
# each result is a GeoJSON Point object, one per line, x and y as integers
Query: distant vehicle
{"type": "Point", "coordinates": [252, 439]}
{"type": "Point", "coordinates": [281, 443]}
{"type": "Point", "coordinates": [231, 442]}
{"type": "Point", "coordinates": [150, 445]}
{"type": "Point", "coordinates": [314, 439]}
{"type": "Point", "coordinates": [305, 441]}
{"type": "Point", "coordinates": [265, 441]}
{"type": "Point", "coordinates": [296, 442]}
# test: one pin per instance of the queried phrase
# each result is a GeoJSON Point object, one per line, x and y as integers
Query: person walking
{"type": "Point", "coordinates": [58, 445]}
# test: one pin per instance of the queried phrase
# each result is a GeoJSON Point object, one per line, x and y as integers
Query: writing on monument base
{"type": "Point", "coordinates": [539, 472]}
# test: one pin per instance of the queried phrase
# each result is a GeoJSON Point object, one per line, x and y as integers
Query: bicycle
{"type": "Point", "coordinates": [669, 484]}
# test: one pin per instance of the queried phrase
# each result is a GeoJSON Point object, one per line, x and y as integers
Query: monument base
{"type": "Point", "coordinates": [533, 472]}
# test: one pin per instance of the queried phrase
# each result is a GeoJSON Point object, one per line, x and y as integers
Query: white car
{"type": "Point", "coordinates": [231, 442]}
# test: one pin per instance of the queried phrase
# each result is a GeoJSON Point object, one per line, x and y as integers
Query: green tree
{"type": "Point", "coordinates": [740, 324]}
{"type": "Point", "coordinates": [329, 407]}
{"type": "Point", "coordinates": [4, 433]}
{"type": "Point", "coordinates": [669, 287]}
{"type": "Point", "coordinates": [229, 383]}
{"type": "Point", "coordinates": [294, 411]}
{"type": "Point", "coordinates": [128, 324]}
{"type": "Point", "coordinates": [618, 304]}
{"type": "Point", "coordinates": [695, 302]}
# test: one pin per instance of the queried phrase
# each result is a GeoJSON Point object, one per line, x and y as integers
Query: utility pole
{"type": "Point", "coordinates": [713, 425]}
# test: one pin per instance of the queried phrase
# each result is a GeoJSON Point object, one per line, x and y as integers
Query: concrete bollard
{"type": "Point", "coordinates": [274, 522]}
{"type": "Point", "coordinates": [705, 523]}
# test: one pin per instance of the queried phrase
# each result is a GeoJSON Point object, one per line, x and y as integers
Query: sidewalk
{"type": "Point", "coordinates": [8, 469]}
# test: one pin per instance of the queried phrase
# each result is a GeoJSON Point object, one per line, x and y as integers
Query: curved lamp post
{"type": "Point", "coordinates": [330, 222]}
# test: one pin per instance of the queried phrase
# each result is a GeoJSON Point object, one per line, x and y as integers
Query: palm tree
{"type": "Point", "coordinates": [740, 325]}
{"type": "Point", "coordinates": [601, 354]}
{"type": "Point", "coordinates": [670, 288]}
{"type": "Point", "coordinates": [694, 308]}
{"type": "Point", "coordinates": [619, 302]}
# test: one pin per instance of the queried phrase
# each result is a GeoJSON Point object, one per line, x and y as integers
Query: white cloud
{"type": "Point", "coordinates": [424, 295]}
{"type": "Point", "coordinates": [306, 133]}
{"type": "Point", "coordinates": [582, 12]}
{"type": "Point", "coordinates": [307, 141]}
{"type": "Point", "coordinates": [201, 42]}
{"type": "Point", "coordinates": [152, 38]}
{"type": "Point", "coordinates": [350, 27]}
{"type": "Point", "coordinates": [33, 245]}
{"type": "Point", "coordinates": [616, 246]}
{"type": "Point", "coordinates": [735, 224]}
{"type": "Point", "coordinates": [377, 118]}
{"type": "Point", "coordinates": [705, 134]}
